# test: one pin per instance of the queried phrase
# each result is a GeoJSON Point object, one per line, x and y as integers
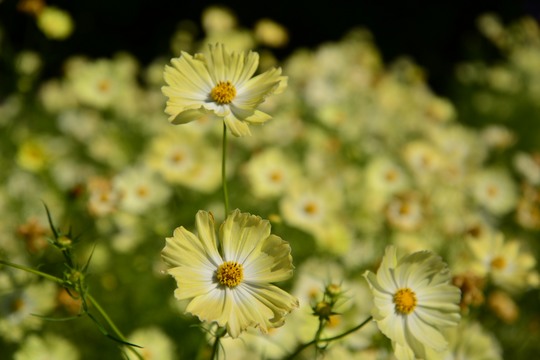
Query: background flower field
{"type": "Point", "coordinates": [360, 153]}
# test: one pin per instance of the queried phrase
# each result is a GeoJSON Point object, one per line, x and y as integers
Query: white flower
{"type": "Point", "coordinates": [140, 189]}
{"type": "Point", "coordinates": [495, 190]}
{"type": "Point", "coordinates": [509, 265]}
{"type": "Point", "coordinates": [222, 84]}
{"type": "Point", "coordinates": [50, 346]}
{"type": "Point", "coordinates": [413, 301]}
{"type": "Point", "coordinates": [228, 278]}
{"type": "Point", "coordinates": [155, 344]}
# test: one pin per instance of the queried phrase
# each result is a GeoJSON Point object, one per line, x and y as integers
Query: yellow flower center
{"type": "Point", "coordinates": [310, 208]}
{"type": "Point", "coordinates": [230, 273]}
{"type": "Point", "coordinates": [276, 176]}
{"type": "Point", "coordinates": [405, 300]}
{"type": "Point", "coordinates": [223, 93]}
{"type": "Point", "coordinates": [142, 191]}
{"type": "Point", "coordinates": [104, 85]}
{"type": "Point", "coordinates": [177, 157]}
{"type": "Point", "coordinates": [498, 263]}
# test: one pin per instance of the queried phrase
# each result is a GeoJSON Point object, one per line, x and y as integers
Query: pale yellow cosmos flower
{"type": "Point", "coordinates": [221, 83]}
{"type": "Point", "coordinates": [413, 302]}
{"type": "Point", "coordinates": [228, 278]}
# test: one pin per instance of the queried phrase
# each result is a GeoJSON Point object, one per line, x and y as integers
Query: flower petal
{"type": "Point", "coordinates": [242, 235]}
{"type": "Point", "coordinates": [215, 305]}
{"type": "Point", "coordinates": [272, 264]}
{"type": "Point", "coordinates": [237, 127]}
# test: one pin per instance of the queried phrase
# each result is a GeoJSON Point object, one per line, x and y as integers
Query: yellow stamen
{"type": "Point", "coordinates": [498, 263]}
{"type": "Point", "coordinates": [223, 93]}
{"type": "Point", "coordinates": [104, 85]}
{"type": "Point", "coordinates": [177, 157]}
{"type": "Point", "coordinates": [276, 176]}
{"type": "Point", "coordinates": [391, 176]}
{"type": "Point", "coordinates": [492, 191]}
{"type": "Point", "coordinates": [142, 191]}
{"type": "Point", "coordinates": [230, 274]}
{"type": "Point", "coordinates": [310, 208]}
{"type": "Point", "coordinates": [405, 300]}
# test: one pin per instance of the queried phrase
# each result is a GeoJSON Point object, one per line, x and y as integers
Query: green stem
{"type": "Point", "coordinates": [88, 296]}
{"type": "Point", "coordinates": [220, 332]}
{"type": "Point", "coordinates": [318, 334]}
{"type": "Point", "coordinates": [33, 271]}
{"type": "Point", "coordinates": [301, 347]}
{"type": "Point", "coordinates": [111, 323]}
{"type": "Point", "coordinates": [106, 317]}
{"type": "Point", "coordinates": [224, 170]}
{"type": "Point", "coordinates": [350, 331]}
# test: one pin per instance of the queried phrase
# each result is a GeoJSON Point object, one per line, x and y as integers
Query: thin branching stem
{"type": "Point", "coordinates": [86, 295]}
{"type": "Point", "coordinates": [301, 347]}
{"type": "Point", "coordinates": [33, 271]}
{"type": "Point", "coordinates": [111, 323]}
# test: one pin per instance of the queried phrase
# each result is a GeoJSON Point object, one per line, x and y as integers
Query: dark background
{"type": "Point", "coordinates": [436, 34]}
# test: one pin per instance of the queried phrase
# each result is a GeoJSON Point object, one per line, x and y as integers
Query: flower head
{"type": "Point", "coordinates": [221, 84]}
{"type": "Point", "coordinates": [413, 301]}
{"type": "Point", "coordinates": [228, 278]}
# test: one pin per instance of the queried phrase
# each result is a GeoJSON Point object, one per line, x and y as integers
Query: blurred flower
{"type": "Point", "coordinates": [494, 190]}
{"type": "Point", "coordinates": [140, 189]}
{"type": "Point", "coordinates": [503, 306]}
{"type": "Point", "coordinates": [472, 289]}
{"type": "Point", "coordinates": [528, 166]}
{"type": "Point", "coordinates": [185, 158]}
{"type": "Point", "coordinates": [102, 198]}
{"type": "Point", "coordinates": [310, 206]}
{"type": "Point", "coordinates": [33, 233]}
{"type": "Point", "coordinates": [103, 83]}
{"type": "Point", "coordinates": [221, 84]}
{"type": "Point", "coordinates": [55, 23]}
{"type": "Point", "coordinates": [413, 302]}
{"type": "Point", "coordinates": [55, 96]}
{"type": "Point", "coordinates": [28, 63]}
{"type": "Point", "coordinates": [270, 173]}
{"type": "Point", "coordinates": [406, 211]}
{"type": "Point", "coordinates": [498, 137]}
{"type": "Point", "coordinates": [48, 346]}
{"type": "Point", "coordinates": [528, 208]}
{"type": "Point", "coordinates": [228, 278]}
{"type": "Point", "coordinates": [270, 33]}
{"type": "Point", "coordinates": [32, 7]}
{"type": "Point", "coordinates": [508, 264]}
{"type": "Point", "coordinates": [155, 344]}
{"type": "Point", "coordinates": [18, 309]}
{"type": "Point", "coordinates": [33, 155]}
{"type": "Point", "coordinates": [470, 341]}
{"type": "Point", "coordinates": [218, 19]}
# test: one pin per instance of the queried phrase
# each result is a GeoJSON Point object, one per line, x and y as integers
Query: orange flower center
{"type": "Point", "coordinates": [405, 300]}
{"type": "Point", "coordinates": [230, 274]}
{"type": "Point", "coordinates": [223, 93]}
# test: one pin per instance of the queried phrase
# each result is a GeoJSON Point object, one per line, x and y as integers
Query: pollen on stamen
{"type": "Point", "coordinates": [223, 93]}
{"type": "Point", "coordinates": [405, 301]}
{"type": "Point", "coordinates": [230, 274]}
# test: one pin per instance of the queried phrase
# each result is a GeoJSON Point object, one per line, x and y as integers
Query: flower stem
{"type": "Point", "coordinates": [322, 323]}
{"type": "Point", "coordinates": [224, 170]}
{"type": "Point", "coordinates": [111, 323]}
{"type": "Point", "coordinates": [106, 317]}
{"type": "Point", "coordinates": [33, 271]}
{"type": "Point", "coordinates": [87, 296]}
{"type": "Point", "coordinates": [301, 347]}
{"type": "Point", "coordinates": [220, 332]}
